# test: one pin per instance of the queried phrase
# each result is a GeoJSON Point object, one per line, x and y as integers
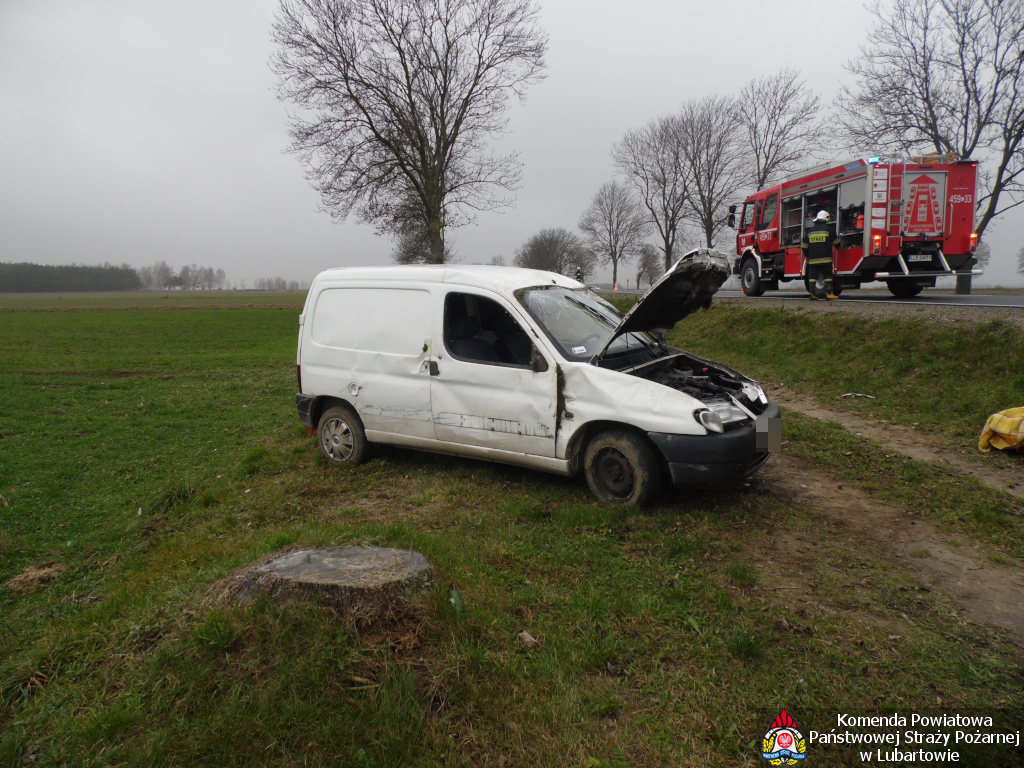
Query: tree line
{"type": "Point", "coordinates": [162, 277]}
{"type": "Point", "coordinates": [40, 278]}
{"type": "Point", "coordinates": [399, 100]}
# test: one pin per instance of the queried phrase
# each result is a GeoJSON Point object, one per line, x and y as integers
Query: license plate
{"type": "Point", "coordinates": [920, 257]}
{"type": "Point", "coordinates": [768, 434]}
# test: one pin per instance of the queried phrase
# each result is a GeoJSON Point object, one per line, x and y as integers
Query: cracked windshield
{"type": "Point", "coordinates": [579, 322]}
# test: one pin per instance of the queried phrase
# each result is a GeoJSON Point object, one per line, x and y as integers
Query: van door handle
{"type": "Point", "coordinates": [432, 367]}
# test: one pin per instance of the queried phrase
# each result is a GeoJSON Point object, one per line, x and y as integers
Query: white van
{"type": "Point", "coordinates": [528, 368]}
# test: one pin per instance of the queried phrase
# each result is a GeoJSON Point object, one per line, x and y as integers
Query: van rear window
{"type": "Point", "coordinates": [394, 321]}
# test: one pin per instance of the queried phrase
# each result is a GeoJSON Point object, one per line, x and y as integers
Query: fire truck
{"type": "Point", "coordinates": [902, 220]}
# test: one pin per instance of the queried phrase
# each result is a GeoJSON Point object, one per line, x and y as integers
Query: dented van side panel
{"type": "Point", "coordinates": [492, 405]}
{"type": "Point", "coordinates": [598, 394]}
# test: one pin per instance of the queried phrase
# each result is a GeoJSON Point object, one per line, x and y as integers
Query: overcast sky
{"type": "Point", "coordinates": [135, 131]}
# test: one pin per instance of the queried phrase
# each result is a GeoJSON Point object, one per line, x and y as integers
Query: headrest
{"type": "Point", "coordinates": [463, 327]}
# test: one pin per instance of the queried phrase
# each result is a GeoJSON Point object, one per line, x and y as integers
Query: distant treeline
{"type": "Point", "coordinates": [38, 278]}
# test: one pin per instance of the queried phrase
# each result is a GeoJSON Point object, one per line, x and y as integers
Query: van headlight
{"type": "Point", "coordinates": [712, 421]}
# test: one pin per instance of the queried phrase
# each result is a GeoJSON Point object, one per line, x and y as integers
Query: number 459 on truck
{"type": "Point", "coordinates": [901, 220]}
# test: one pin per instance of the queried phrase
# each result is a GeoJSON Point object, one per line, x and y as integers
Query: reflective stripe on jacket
{"type": "Point", "coordinates": [817, 243]}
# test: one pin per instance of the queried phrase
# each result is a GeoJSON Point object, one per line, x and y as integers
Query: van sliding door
{"type": "Point", "coordinates": [370, 348]}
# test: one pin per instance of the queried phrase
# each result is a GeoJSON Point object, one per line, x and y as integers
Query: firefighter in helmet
{"type": "Point", "coordinates": [579, 274]}
{"type": "Point", "coordinates": [817, 247]}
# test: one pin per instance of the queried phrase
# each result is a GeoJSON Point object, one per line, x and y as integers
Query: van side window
{"type": "Point", "coordinates": [771, 205]}
{"type": "Point", "coordinates": [479, 330]}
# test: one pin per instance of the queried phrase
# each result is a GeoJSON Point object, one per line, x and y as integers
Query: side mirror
{"type": "Point", "coordinates": [731, 221]}
{"type": "Point", "coordinates": [537, 362]}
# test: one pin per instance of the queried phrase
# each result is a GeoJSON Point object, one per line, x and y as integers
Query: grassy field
{"type": "Point", "coordinates": [151, 453]}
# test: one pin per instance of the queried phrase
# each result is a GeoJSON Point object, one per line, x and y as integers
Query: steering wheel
{"type": "Point", "coordinates": [586, 341]}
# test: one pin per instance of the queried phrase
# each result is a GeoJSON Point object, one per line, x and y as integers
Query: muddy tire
{"type": "Point", "coordinates": [340, 436]}
{"type": "Point", "coordinates": [904, 289]}
{"type": "Point", "coordinates": [750, 279]}
{"type": "Point", "coordinates": [622, 469]}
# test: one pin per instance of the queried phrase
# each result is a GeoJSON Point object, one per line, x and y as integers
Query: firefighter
{"type": "Point", "coordinates": [579, 274]}
{"type": "Point", "coordinates": [817, 247]}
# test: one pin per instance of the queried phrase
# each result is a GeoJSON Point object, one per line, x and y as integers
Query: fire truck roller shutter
{"type": "Point", "coordinates": [852, 198]}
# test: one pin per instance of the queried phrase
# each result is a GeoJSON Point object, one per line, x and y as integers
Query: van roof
{"type": "Point", "coordinates": [478, 275]}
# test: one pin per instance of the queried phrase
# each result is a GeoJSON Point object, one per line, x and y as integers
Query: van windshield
{"type": "Point", "coordinates": [578, 322]}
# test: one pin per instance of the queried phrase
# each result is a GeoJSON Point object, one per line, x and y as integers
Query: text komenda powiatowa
{"type": "Point", "coordinates": [928, 737]}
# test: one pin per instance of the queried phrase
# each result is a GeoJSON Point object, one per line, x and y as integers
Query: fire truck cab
{"type": "Point", "coordinates": [904, 221]}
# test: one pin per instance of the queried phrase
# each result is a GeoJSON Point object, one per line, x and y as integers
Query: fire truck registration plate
{"type": "Point", "coordinates": [920, 257]}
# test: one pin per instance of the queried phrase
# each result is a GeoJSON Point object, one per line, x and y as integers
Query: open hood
{"type": "Point", "coordinates": [681, 291]}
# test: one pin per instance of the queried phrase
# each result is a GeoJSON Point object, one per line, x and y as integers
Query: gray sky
{"type": "Point", "coordinates": [137, 131]}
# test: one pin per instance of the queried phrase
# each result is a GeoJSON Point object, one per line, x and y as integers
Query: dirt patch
{"type": "Point", "coordinates": [989, 594]}
{"type": "Point", "coordinates": [903, 440]}
{"type": "Point", "coordinates": [35, 575]}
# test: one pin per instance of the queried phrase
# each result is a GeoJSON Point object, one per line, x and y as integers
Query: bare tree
{"type": "Point", "coordinates": [653, 161]}
{"type": "Point", "coordinates": [779, 115]}
{"type": "Point", "coordinates": [404, 96]}
{"type": "Point", "coordinates": [163, 275]}
{"type": "Point", "coordinates": [648, 264]}
{"type": "Point", "coordinates": [497, 261]}
{"type": "Point", "coordinates": [946, 75]}
{"type": "Point", "coordinates": [614, 225]}
{"type": "Point", "coordinates": [983, 254]}
{"type": "Point", "coordinates": [714, 163]}
{"type": "Point", "coordinates": [1020, 261]}
{"type": "Point", "coordinates": [556, 250]}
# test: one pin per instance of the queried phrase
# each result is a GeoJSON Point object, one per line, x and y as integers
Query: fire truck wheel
{"type": "Point", "coordinates": [904, 289]}
{"type": "Point", "coordinates": [751, 280]}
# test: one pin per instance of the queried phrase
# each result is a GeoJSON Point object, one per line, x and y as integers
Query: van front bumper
{"type": "Point", "coordinates": [705, 461]}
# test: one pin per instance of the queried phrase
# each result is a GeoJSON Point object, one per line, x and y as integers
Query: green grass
{"type": "Point", "coordinates": [652, 622]}
{"type": "Point", "coordinates": [945, 379]}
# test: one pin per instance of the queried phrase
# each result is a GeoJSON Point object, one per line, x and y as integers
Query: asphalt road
{"type": "Point", "coordinates": [874, 297]}
{"type": "Point", "coordinates": [935, 299]}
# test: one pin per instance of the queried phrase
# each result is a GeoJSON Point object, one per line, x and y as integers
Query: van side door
{"type": "Point", "coordinates": [491, 387]}
{"type": "Point", "coordinates": [369, 346]}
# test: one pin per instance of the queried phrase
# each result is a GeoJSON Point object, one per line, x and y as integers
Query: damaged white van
{"type": "Point", "coordinates": [529, 368]}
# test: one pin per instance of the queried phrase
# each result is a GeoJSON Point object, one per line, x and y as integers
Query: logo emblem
{"type": "Point", "coordinates": [783, 744]}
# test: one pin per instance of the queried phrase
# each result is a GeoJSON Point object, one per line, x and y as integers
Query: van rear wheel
{"type": "Point", "coordinates": [621, 469]}
{"type": "Point", "coordinates": [341, 437]}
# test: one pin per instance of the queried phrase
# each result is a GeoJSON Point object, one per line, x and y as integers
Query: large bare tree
{"type": "Point", "coordinates": [945, 76]}
{"type": "Point", "coordinates": [614, 225]}
{"type": "Point", "coordinates": [653, 161]}
{"type": "Point", "coordinates": [779, 115]}
{"type": "Point", "coordinates": [556, 250]}
{"type": "Point", "coordinates": [401, 97]}
{"type": "Point", "coordinates": [714, 162]}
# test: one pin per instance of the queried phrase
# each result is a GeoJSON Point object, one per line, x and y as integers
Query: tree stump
{"type": "Point", "coordinates": [361, 581]}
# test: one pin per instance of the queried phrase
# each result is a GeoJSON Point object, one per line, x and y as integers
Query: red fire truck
{"type": "Point", "coordinates": [903, 220]}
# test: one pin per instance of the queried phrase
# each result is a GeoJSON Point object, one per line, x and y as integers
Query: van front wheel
{"type": "Point", "coordinates": [341, 437]}
{"type": "Point", "coordinates": [621, 469]}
